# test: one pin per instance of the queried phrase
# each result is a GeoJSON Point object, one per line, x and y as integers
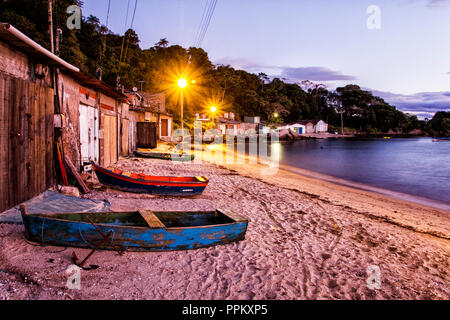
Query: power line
{"type": "Point", "coordinates": [134, 13]}
{"type": "Point", "coordinates": [124, 36]}
{"type": "Point", "coordinates": [131, 27]}
{"type": "Point", "coordinates": [107, 14]}
{"type": "Point", "coordinates": [126, 18]}
{"type": "Point", "coordinates": [210, 13]}
{"type": "Point", "coordinates": [205, 22]}
{"type": "Point", "coordinates": [104, 37]}
{"type": "Point", "coordinates": [211, 4]}
{"type": "Point", "coordinates": [200, 26]}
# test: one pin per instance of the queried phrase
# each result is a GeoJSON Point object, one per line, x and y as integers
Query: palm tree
{"type": "Point", "coordinates": [162, 43]}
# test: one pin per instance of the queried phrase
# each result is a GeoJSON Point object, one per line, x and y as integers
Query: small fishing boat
{"type": "Point", "coordinates": [142, 230]}
{"type": "Point", "coordinates": [146, 153]}
{"type": "Point", "coordinates": [387, 138]}
{"type": "Point", "coordinates": [441, 139]}
{"type": "Point", "coordinates": [158, 185]}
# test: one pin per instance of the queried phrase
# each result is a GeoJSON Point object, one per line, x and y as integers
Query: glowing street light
{"type": "Point", "coordinates": [213, 111]}
{"type": "Point", "coordinates": [275, 115]}
{"type": "Point", "coordinates": [182, 83]}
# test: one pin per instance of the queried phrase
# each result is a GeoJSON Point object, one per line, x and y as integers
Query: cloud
{"type": "Point", "coordinates": [291, 74]}
{"type": "Point", "coordinates": [424, 104]}
{"type": "Point", "coordinates": [314, 74]}
{"type": "Point", "coordinates": [242, 64]}
{"type": "Point", "coordinates": [436, 3]}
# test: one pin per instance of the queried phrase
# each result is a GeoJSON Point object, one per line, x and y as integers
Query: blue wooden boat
{"type": "Point", "coordinates": [143, 230]}
{"type": "Point", "coordinates": [158, 185]}
{"type": "Point", "coordinates": [164, 156]}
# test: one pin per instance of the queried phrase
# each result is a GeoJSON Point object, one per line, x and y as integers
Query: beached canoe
{"type": "Point", "coordinates": [158, 185]}
{"type": "Point", "coordinates": [164, 156]}
{"type": "Point", "coordinates": [135, 231]}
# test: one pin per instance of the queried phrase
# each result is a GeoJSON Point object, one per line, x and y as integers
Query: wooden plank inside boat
{"type": "Point", "coordinates": [151, 219]}
{"type": "Point", "coordinates": [236, 217]}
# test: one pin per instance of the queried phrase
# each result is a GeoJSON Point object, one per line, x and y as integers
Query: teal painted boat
{"type": "Point", "coordinates": [142, 230]}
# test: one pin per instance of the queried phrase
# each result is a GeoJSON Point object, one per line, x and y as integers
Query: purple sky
{"type": "Point", "coordinates": [406, 61]}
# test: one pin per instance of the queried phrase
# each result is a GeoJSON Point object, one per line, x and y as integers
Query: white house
{"type": "Point", "coordinates": [321, 126]}
{"type": "Point", "coordinates": [306, 126]}
{"type": "Point", "coordinates": [297, 127]}
{"type": "Point", "coordinates": [202, 117]}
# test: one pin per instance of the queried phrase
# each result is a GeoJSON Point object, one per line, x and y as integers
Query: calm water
{"type": "Point", "coordinates": [415, 166]}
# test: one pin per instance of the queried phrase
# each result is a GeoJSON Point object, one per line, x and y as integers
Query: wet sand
{"type": "Point", "coordinates": [307, 239]}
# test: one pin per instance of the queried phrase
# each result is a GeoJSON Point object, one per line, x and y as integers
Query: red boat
{"type": "Point", "coordinates": [158, 185]}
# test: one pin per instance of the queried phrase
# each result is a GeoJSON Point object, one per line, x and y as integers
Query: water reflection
{"type": "Point", "coordinates": [415, 166]}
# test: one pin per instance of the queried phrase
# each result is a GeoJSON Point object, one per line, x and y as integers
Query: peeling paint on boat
{"type": "Point", "coordinates": [58, 231]}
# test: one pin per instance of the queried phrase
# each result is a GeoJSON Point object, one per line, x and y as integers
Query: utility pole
{"type": "Point", "coordinates": [141, 83]}
{"type": "Point", "coordinates": [58, 40]}
{"type": "Point", "coordinates": [182, 107]}
{"type": "Point", "coordinates": [50, 25]}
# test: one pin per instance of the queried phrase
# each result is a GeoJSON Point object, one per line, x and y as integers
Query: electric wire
{"type": "Point", "coordinates": [200, 26]}
{"type": "Point", "coordinates": [207, 22]}
{"type": "Point", "coordinates": [131, 27]}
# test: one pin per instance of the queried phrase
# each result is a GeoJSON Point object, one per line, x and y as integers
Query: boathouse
{"type": "Point", "coordinates": [145, 120]}
{"type": "Point", "coordinates": [33, 115]}
{"type": "Point", "coordinates": [227, 124]}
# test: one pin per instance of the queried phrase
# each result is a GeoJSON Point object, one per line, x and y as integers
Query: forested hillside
{"type": "Point", "coordinates": [124, 63]}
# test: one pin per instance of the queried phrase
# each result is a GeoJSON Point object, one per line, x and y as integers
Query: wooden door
{"type": "Point", "coordinates": [26, 140]}
{"type": "Point", "coordinates": [125, 136]}
{"type": "Point", "coordinates": [89, 134]}
{"type": "Point", "coordinates": [164, 127]}
{"type": "Point", "coordinates": [109, 140]}
{"type": "Point", "coordinates": [146, 134]}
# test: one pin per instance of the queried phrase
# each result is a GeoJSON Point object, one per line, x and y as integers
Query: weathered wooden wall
{"type": "Point", "coordinates": [26, 140]}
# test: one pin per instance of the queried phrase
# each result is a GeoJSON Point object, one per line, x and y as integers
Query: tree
{"type": "Point", "coordinates": [121, 58]}
{"type": "Point", "coordinates": [440, 124]}
{"type": "Point", "coordinates": [162, 43]}
{"type": "Point", "coordinates": [334, 101]}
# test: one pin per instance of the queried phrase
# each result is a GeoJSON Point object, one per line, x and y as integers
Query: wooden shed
{"type": "Point", "coordinates": [83, 108]}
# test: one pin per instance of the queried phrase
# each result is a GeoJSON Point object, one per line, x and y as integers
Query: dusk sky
{"type": "Point", "coordinates": [406, 61]}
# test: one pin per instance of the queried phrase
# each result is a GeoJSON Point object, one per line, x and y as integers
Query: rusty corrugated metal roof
{"type": "Point", "coordinates": [32, 49]}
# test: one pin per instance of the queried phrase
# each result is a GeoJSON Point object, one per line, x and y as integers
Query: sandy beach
{"type": "Point", "coordinates": [307, 239]}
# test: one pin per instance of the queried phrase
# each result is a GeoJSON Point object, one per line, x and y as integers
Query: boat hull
{"type": "Point", "coordinates": [49, 231]}
{"type": "Point", "coordinates": [164, 156]}
{"type": "Point", "coordinates": [165, 188]}
{"type": "Point", "coordinates": [441, 139]}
